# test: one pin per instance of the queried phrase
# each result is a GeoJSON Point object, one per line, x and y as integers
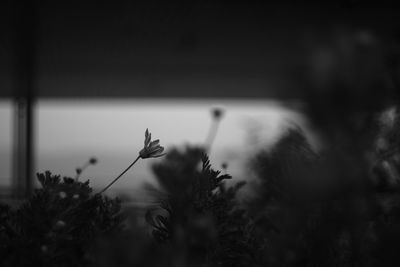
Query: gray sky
{"type": "Point", "coordinates": [69, 132]}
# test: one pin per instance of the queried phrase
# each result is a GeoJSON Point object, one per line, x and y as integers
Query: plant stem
{"type": "Point", "coordinates": [82, 169]}
{"type": "Point", "coordinates": [212, 134]}
{"type": "Point", "coordinates": [119, 176]}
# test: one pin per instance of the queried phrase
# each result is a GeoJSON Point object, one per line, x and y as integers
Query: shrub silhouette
{"type": "Point", "coordinates": [203, 223]}
{"type": "Point", "coordinates": [57, 225]}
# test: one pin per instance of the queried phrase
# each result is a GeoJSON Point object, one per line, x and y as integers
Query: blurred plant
{"type": "Point", "coordinates": [217, 114]}
{"type": "Point", "coordinates": [57, 225]}
{"type": "Point", "coordinates": [224, 167]}
{"type": "Point", "coordinates": [321, 209]}
{"type": "Point", "coordinates": [303, 214]}
{"type": "Point", "coordinates": [199, 218]}
{"type": "Point", "coordinates": [91, 161]}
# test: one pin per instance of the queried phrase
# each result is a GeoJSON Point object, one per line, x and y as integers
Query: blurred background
{"type": "Point", "coordinates": [80, 80]}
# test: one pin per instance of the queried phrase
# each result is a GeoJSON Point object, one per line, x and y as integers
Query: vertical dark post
{"type": "Point", "coordinates": [24, 83]}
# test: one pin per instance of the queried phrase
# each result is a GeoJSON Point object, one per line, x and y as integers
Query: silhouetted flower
{"type": "Point", "coordinates": [152, 149]}
{"type": "Point", "coordinates": [224, 165]}
{"type": "Point", "coordinates": [217, 113]}
{"type": "Point", "coordinates": [93, 161]}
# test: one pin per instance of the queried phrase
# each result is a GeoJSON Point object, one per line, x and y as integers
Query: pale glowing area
{"type": "Point", "coordinates": [5, 142]}
{"type": "Point", "coordinates": [69, 132]}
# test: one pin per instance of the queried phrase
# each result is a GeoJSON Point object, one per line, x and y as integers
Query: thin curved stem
{"type": "Point", "coordinates": [119, 176]}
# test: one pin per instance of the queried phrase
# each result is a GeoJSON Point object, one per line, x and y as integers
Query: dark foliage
{"type": "Point", "coordinates": [202, 222]}
{"type": "Point", "coordinates": [328, 209]}
{"type": "Point", "coordinates": [57, 225]}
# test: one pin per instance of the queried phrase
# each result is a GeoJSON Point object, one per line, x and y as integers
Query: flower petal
{"type": "Point", "coordinates": [160, 155]}
{"type": "Point", "coordinates": [147, 137]}
{"type": "Point", "coordinates": [151, 149]}
{"type": "Point", "coordinates": [156, 149]}
{"type": "Point", "coordinates": [154, 143]}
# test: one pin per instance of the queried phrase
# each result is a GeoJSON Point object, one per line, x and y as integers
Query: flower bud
{"type": "Point", "coordinates": [217, 113]}
{"type": "Point", "coordinates": [93, 161]}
